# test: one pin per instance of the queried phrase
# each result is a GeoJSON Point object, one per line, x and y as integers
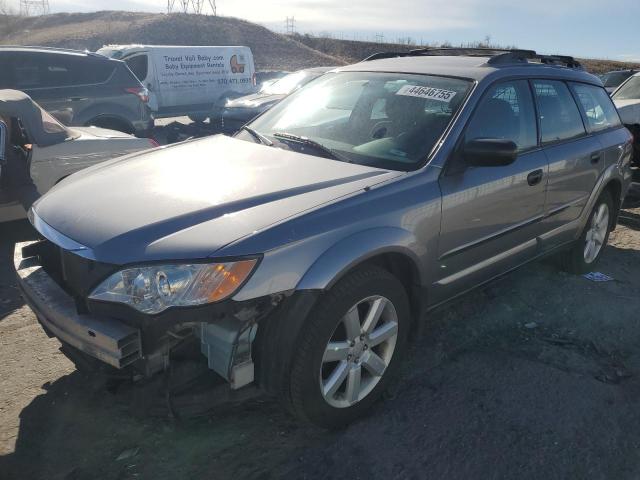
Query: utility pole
{"type": "Point", "coordinates": [34, 7]}
{"type": "Point", "coordinates": [379, 37]}
{"type": "Point", "coordinates": [290, 26]}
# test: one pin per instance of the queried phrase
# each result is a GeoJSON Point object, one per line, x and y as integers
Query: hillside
{"type": "Point", "coordinates": [271, 50]}
{"type": "Point", "coordinates": [351, 51]}
{"type": "Point", "coordinates": [93, 30]}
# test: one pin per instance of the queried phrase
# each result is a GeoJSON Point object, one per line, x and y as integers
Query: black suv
{"type": "Point", "coordinates": [79, 88]}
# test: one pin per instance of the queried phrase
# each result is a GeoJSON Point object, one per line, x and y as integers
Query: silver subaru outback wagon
{"type": "Point", "coordinates": [298, 255]}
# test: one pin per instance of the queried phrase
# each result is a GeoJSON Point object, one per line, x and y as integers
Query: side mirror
{"type": "Point", "coordinates": [490, 152]}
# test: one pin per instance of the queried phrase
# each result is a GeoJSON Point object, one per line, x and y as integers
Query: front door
{"type": "Point", "coordinates": [491, 216]}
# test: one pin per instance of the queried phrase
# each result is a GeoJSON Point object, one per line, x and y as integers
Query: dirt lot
{"type": "Point", "coordinates": [536, 376]}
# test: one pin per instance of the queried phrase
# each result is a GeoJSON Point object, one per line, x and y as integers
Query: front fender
{"type": "Point", "coordinates": [335, 262]}
{"type": "Point", "coordinates": [317, 263]}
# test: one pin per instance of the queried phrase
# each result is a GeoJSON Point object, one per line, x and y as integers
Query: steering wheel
{"type": "Point", "coordinates": [380, 129]}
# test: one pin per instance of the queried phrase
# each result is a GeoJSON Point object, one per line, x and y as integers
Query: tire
{"type": "Point", "coordinates": [577, 260]}
{"type": "Point", "coordinates": [312, 371]}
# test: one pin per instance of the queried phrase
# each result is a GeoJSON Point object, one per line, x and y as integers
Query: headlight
{"type": "Point", "coordinates": [152, 289]}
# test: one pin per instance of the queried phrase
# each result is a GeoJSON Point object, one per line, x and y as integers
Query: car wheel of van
{"type": "Point", "coordinates": [349, 348]}
{"type": "Point", "coordinates": [586, 252]}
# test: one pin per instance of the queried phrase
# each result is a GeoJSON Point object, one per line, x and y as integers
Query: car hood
{"type": "Point", "coordinates": [191, 199]}
{"type": "Point", "coordinates": [629, 110]}
{"type": "Point", "coordinates": [254, 101]}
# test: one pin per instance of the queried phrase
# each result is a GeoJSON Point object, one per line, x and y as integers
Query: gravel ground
{"type": "Point", "coordinates": [536, 376]}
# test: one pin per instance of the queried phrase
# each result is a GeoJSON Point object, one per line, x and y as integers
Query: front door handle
{"type": "Point", "coordinates": [595, 157]}
{"type": "Point", "coordinates": [534, 177]}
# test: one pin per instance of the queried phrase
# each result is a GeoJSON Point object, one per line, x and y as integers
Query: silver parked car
{"type": "Point", "coordinates": [299, 253]}
{"type": "Point", "coordinates": [56, 151]}
{"type": "Point", "coordinates": [241, 110]}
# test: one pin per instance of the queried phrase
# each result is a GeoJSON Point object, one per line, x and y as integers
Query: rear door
{"type": "Point", "coordinates": [575, 158]}
{"type": "Point", "coordinates": [140, 66]}
{"type": "Point", "coordinates": [602, 120]}
{"type": "Point", "coordinates": [492, 215]}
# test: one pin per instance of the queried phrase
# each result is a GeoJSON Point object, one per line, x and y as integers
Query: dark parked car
{"type": "Point", "coordinates": [241, 110]}
{"type": "Point", "coordinates": [300, 254]}
{"type": "Point", "coordinates": [78, 88]}
{"type": "Point", "coordinates": [612, 80]}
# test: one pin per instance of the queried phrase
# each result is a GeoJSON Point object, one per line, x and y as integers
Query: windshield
{"type": "Point", "coordinates": [386, 120]}
{"type": "Point", "coordinates": [613, 79]}
{"type": "Point", "coordinates": [288, 83]}
{"type": "Point", "coordinates": [51, 125]}
{"type": "Point", "coordinates": [630, 90]}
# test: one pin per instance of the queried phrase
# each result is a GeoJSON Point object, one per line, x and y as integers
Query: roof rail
{"type": "Point", "coordinates": [498, 56]}
{"type": "Point", "coordinates": [53, 49]}
{"type": "Point", "coordinates": [469, 52]}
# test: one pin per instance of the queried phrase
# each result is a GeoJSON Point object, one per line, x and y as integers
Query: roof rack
{"type": "Point", "coordinates": [498, 56]}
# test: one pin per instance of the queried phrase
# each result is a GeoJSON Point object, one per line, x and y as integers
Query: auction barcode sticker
{"type": "Point", "coordinates": [427, 92]}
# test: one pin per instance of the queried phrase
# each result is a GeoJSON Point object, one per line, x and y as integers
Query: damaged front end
{"type": "Point", "coordinates": [56, 284]}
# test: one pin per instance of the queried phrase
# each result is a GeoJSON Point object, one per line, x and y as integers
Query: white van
{"type": "Point", "coordinates": [188, 80]}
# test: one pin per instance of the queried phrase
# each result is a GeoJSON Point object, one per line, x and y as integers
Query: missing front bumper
{"type": "Point", "coordinates": [103, 338]}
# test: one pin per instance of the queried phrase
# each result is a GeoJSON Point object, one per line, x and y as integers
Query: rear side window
{"type": "Point", "coordinates": [506, 111]}
{"type": "Point", "coordinates": [41, 70]}
{"type": "Point", "coordinates": [597, 107]}
{"type": "Point", "coordinates": [6, 72]}
{"type": "Point", "coordinates": [138, 65]}
{"type": "Point", "coordinates": [559, 115]}
{"type": "Point", "coordinates": [27, 71]}
{"type": "Point", "coordinates": [63, 70]}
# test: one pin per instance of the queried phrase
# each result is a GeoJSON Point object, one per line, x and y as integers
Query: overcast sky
{"type": "Point", "coordinates": [587, 28]}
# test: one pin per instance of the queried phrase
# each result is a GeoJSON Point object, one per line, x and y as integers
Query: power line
{"type": "Point", "coordinates": [34, 7]}
{"type": "Point", "coordinates": [192, 6]}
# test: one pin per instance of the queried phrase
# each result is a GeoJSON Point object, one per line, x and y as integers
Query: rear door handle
{"type": "Point", "coordinates": [534, 177]}
{"type": "Point", "coordinates": [595, 157]}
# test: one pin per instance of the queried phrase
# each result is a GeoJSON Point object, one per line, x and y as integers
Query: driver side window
{"type": "Point", "coordinates": [506, 112]}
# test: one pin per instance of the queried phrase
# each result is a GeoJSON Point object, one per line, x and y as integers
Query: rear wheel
{"type": "Point", "coordinates": [349, 348]}
{"type": "Point", "coordinates": [586, 252]}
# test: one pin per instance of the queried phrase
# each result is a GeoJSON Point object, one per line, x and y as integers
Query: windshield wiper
{"type": "Point", "coordinates": [258, 136]}
{"type": "Point", "coordinates": [312, 143]}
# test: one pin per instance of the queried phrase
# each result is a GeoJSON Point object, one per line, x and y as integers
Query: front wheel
{"type": "Point", "coordinates": [587, 250]}
{"type": "Point", "coordinates": [349, 348]}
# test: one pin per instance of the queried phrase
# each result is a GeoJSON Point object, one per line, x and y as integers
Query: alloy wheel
{"type": "Point", "coordinates": [359, 351]}
{"type": "Point", "coordinates": [597, 233]}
